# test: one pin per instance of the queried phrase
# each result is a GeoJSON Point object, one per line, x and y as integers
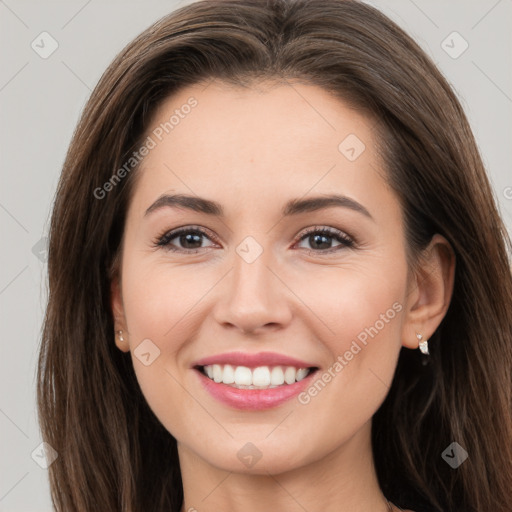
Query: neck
{"type": "Point", "coordinates": [342, 480]}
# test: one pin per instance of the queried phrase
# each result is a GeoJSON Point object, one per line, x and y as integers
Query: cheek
{"type": "Point", "coordinates": [152, 308]}
{"type": "Point", "coordinates": [159, 301]}
{"type": "Point", "coordinates": [161, 305]}
{"type": "Point", "coordinates": [363, 311]}
{"type": "Point", "coordinates": [352, 304]}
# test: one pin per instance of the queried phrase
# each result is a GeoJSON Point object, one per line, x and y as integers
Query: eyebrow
{"type": "Point", "coordinates": [293, 207]}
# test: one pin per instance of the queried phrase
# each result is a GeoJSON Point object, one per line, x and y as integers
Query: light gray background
{"type": "Point", "coordinates": [41, 100]}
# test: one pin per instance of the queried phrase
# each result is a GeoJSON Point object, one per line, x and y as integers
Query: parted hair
{"type": "Point", "coordinates": [113, 452]}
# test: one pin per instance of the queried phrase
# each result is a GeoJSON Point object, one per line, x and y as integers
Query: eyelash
{"type": "Point", "coordinates": [164, 240]}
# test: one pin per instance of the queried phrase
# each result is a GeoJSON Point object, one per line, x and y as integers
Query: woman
{"type": "Point", "coordinates": [278, 277]}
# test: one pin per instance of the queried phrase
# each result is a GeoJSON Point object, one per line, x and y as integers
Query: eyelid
{"type": "Point", "coordinates": [346, 240]}
{"type": "Point", "coordinates": [173, 233]}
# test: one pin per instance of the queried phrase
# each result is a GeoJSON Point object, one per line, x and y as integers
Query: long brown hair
{"type": "Point", "coordinates": [113, 453]}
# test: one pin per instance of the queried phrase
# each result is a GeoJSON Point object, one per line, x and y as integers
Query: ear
{"type": "Point", "coordinates": [116, 301]}
{"type": "Point", "coordinates": [430, 291]}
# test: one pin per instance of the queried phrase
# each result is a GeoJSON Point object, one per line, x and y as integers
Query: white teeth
{"type": "Point", "coordinates": [301, 374]}
{"type": "Point", "coordinates": [289, 375]}
{"type": "Point", "coordinates": [243, 376]}
{"type": "Point", "coordinates": [228, 376]}
{"type": "Point", "coordinates": [277, 376]}
{"type": "Point", "coordinates": [262, 377]}
{"type": "Point", "coordinates": [217, 373]}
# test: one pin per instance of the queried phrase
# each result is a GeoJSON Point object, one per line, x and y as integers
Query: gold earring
{"type": "Point", "coordinates": [423, 344]}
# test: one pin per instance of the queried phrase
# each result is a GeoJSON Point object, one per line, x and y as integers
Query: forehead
{"type": "Point", "coordinates": [260, 142]}
{"type": "Point", "coordinates": [291, 117]}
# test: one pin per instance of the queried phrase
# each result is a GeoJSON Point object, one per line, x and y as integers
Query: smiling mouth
{"type": "Point", "coordinates": [261, 377]}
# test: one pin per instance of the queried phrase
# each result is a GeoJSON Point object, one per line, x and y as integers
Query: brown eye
{"type": "Point", "coordinates": [183, 240]}
{"type": "Point", "coordinates": [321, 240]}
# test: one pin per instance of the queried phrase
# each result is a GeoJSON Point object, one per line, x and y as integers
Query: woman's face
{"type": "Point", "coordinates": [262, 292]}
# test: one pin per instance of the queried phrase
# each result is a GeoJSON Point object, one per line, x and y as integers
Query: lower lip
{"type": "Point", "coordinates": [253, 399]}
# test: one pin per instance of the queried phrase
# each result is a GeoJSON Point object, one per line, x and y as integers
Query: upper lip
{"type": "Point", "coordinates": [253, 360]}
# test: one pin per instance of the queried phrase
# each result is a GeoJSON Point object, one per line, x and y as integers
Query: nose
{"type": "Point", "coordinates": [253, 297]}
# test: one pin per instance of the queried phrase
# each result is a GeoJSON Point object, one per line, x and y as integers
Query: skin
{"type": "Point", "coordinates": [252, 150]}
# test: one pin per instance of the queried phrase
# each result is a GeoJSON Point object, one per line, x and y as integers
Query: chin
{"type": "Point", "coordinates": [255, 457]}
